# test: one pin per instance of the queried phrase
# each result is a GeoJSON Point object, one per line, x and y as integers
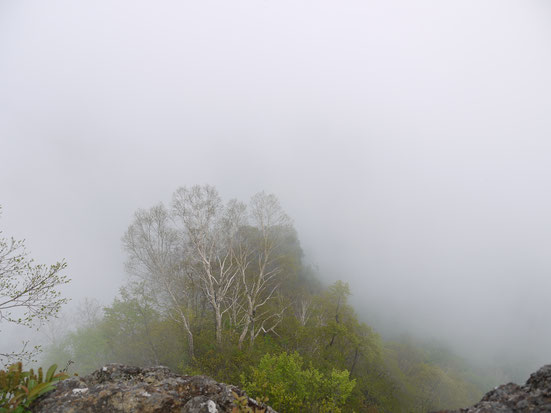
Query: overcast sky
{"type": "Point", "coordinates": [409, 140]}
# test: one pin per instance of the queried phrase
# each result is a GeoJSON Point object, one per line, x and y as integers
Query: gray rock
{"type": "Point", "coordinates": [120, 388]}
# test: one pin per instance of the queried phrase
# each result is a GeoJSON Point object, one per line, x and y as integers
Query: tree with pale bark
{"type": "Point", "coordinates": [155, 256]}
{"type": "Point", "coordinates": [226, 255]}
{"type": "Point", "coordinates": [258, 261]}
{"type": "Point", "coordinates": [208, 227]}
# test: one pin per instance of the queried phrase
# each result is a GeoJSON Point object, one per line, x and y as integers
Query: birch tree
{"type": "Point", "coordinates": [155, 256]}
{"type": "Point", "coordinates": [209, 227]}
{"type": "Point", "coordinates": [257, 257]}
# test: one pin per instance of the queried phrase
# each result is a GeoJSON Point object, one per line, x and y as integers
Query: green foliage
{"type": "Point", "coordinates": [19, 388]}
{"type": "Point", "coordinates": [389, 377]}
{"type": "Point", "coordinates": [429, 381]}
{"type": "Point", "coordinates": [130, 332]}
{"type": "Point", "coordinates": [292, 388]}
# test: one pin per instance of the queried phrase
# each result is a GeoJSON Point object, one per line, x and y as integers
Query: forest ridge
{"type": "Point", "coordinates": [220, 288]}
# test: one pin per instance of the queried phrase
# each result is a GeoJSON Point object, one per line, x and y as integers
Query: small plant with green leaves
{"type": "Point", "coordinates": [19, 388]}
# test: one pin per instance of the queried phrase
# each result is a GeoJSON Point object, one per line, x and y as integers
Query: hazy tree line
{"type": "Point", "coordinates": [203, 258]}
{"type": "Point", "coordinates": [220, 289]}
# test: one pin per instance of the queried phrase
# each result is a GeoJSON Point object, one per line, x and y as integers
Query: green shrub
{"type": "Point", "coordinates": [18, 388]}
{"type": "Point", "coordinates": [291, 388]}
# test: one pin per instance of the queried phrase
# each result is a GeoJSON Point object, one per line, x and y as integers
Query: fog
{"type": "Point", "coordinates": [409, 142]}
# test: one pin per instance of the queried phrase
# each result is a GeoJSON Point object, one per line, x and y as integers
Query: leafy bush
{"type": "Point", "coordinates": [291, 388]}
{"type": "Point", "coordinates": [18, 388]}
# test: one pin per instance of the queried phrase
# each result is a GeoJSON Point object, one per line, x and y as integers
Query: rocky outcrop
{"type": "Point", "coordinates": [534, 396]}
{"type": "Point", "coordinates": [120, 388]}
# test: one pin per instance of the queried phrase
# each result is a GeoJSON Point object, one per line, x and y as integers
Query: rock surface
{"type": "Point", "coordinates": [120, 388]}
{"type": "Point", "coordinates": [534, 396]}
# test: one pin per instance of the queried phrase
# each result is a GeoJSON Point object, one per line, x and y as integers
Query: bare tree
{"type": "Point", "coordinates": [88, 312]}
{"type": "Point", "coordinates": [209, 229]}
{"type": "Point", "coordinates": [257, 257]}
{"type": "Point", "coordinates": [155, 256]}
{"type": "Point", "coordinates": [205, 252]}
{"type": "Point", "coordinates": [29, 293]}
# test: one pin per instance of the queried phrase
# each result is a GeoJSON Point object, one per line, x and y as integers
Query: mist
{"type": "Point", "coordinates": [409, 142]}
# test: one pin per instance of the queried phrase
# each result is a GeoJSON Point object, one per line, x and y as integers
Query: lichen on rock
{"type": "Point", "coordinates": [120, 388]}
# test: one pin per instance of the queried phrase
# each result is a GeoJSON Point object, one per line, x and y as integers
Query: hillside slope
{"type": "Point", "coordinates": [534, 396]}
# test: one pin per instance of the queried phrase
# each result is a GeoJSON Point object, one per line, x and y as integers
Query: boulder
{"type": "Point", "coordinates": [120, 388]}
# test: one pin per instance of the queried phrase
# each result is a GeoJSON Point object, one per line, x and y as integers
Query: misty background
{"type": "Point", "coordinates": [409, 141]}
